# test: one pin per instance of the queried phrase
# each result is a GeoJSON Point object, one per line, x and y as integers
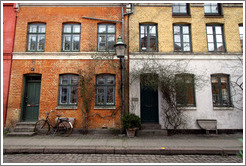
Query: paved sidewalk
{"type": "Point", "coordinates": [222, 144]}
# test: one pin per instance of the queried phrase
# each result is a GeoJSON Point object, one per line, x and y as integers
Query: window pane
{"type": "Point", "coordinates": [75, 43]}
{"type": "Point", "coordinates": [63, 95]}
{"type": "Point", "coordinates": [185, 30]}
{"type": "Point", "coordinates": [182, 9]}
{"type": "Point", "coordinates": [144, 29]}
{"type": "Point", "coordinates": [111, 42]}
{"type": "Point", "coordinates": [32, 43]}
{"type": "Point", "coordinates": [67, 28]}
{"type": "Point", "coordinates": [153, 44]}
{"type": "Point", "coordinates": [33, 29]}
{"type": "Point", "coordinates": [177, 38]}
{"type": "Point", "coordinates": [74, 80]}
{"type": "Point", "coordinates": [76, 28]}
{"type": "Point", "coordinates": [110, 95]}
{"type": "Point", "coordinates": [175, 9]}
{"type": "Point", "coordinates": [41, 29]}
{"type": "Point", "coordinates": [64, 79]}
{"type": "Point", "coordinates": [214, 9]}
{"type": "Point", "coordinates": [102, 29]}
{"type": "Point", "coordinates": [100, 95]}
{"type": "Point", "coordinates": [219, 38]}
{"type": "Point", "coordinates": [110, 80]}
{"type": "Point", "coordinates": [177, 46]}
{"type": "Point", "coordinates": [215, 91]}
{"type": "Point", "coordinates": [186, 38]}
{"type": "Point", "coordinates": [218, 30]}
{"type": "Point", "coordinates": [41, 41]}
{"type": "Point", "coordinates": [152, 30]}
{"type": "Point", "coordinates": [176, 30]}
{"type": "Point", "coordinates": [73, 95]}
{"type": "Point", "coordinates": [100, 80]}
{"type": "Point", "coordinates": [209, 30]}
{"type": "Point", "coordinates": [240, 30]}
{"type": "Point", "coordinates": [111, 28]}
{"type": "Point", "coordinates": [210, 46]}
{"type": "Point", "coordinates": [210, 38]}
{"type": "Point", "coordinates": [220, 47]}
{"type": "Point", "coordinates": [66, 42]}
{"type": "Point", "coordinates": [207, 9]}
{"type": "Point", "coordinates": [186, 46]}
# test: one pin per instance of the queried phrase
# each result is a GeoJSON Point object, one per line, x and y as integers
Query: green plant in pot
{"type": "Point", "coordinates": [131, 123]}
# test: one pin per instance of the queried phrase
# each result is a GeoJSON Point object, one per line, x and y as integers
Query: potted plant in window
{"type": "Point", "coordinates": [131, 123]}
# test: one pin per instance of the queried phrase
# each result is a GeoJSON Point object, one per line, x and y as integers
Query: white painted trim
{"type": "Point", "coordinates": [223, 108]}
{"type": "Point", "coordinates": [185, 57]}
{"type": "Point", "coordinates": [63, 55]}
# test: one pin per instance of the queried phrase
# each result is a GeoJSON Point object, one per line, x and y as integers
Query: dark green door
{"type": "Point", "coordinates": [31, 98]}
{"type": "Point", "coordinates": [149, 104]}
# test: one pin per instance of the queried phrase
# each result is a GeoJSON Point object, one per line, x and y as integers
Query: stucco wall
{"type": "Point", "coordinates": [202, 67]}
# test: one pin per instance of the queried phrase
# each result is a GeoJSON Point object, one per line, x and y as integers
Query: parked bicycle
{"type": "Point", "coordinates": [62, 127]}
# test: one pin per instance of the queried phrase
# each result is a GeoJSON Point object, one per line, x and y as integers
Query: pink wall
{"type": "Point", "coordinates": [9, 23]}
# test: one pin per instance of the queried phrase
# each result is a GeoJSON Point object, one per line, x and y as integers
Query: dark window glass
{"type": "Point", "coordinates": [106, 37]}
{"type": "Point", "coordinates": [212, 9]}
{"type": "Point", "coordinates": [215, 38]}
{"type": "Point", "coordinates": [68, 90]}
{"type": "Point", "coordinates": [180, 8]}
{"type": "Point", "coordinates": [185, 90]}
{"type": "Point", "coordinates": [71, 37]}
{"type": "Point", "coordinates": [182, 38]}
{"type": "Point", "coordinates": [105, 90]}
{"type": "Point", "coordinates": [36, 37]}
{"type": "Point", "coordinates": [148, 37]}
{"type": "Point", "coordinates": [220, 90]}
{"type": "Point", "coordinates": [241, 35]}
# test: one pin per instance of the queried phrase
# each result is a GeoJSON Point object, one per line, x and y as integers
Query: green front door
{"type": "Point", "coordinates": [31, 98]}
{"type": "Point", "coordinates": [149, 104]}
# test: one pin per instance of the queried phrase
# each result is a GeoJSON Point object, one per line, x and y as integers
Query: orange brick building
{"type": "Point", "coordinates": [54, 44]}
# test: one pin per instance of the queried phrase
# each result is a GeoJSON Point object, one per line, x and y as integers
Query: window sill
{"type": "Point", "coordinates": [181, 15]}
{"type": "Point", "coordinates": [188, 108]}
{"type": "Point", "coordinates": [104, 107]}
{"type": "Point", "coordinates": [66, 107]}
{"type": "Point", "coordinates": [214, 16]}
{"type": "Point", "coordinates": [223, 108]}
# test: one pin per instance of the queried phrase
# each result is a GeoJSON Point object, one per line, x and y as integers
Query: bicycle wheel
{"type": "Point", "coordinates": [64, 128]}
{"type": "Point", "coordinates": [42, 127]}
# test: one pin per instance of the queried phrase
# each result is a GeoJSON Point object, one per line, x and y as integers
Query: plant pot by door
{"type": "Point", "coordinates": [130, 132]}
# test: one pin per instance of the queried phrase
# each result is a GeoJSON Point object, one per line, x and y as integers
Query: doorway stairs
{"type": "Point", "coordinates": [150, 130]}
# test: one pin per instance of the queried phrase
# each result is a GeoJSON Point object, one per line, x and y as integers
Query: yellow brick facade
{"type": "Point", "coordinates": [162, 16]}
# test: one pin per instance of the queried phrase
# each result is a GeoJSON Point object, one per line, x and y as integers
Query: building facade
{"type": "Point", "coordinates": [9, 23]}
{"type": "Point", "coordinates": [200, 44]}
{"type": "Point", "coordinates": [64, 61]}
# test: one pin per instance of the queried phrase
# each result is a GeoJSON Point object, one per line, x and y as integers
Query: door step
{"type": "Point", "coordinates": [150, 126]}
{"type": "Point", "coordinates": [151, 133]}
{"type": "Point", "coordinates": [151, 129]}
{"type": "Point", "coordinates": [23, 129]}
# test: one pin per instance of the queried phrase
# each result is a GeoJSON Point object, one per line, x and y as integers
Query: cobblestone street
{"type": "Point", "coordinates": [114, 158]}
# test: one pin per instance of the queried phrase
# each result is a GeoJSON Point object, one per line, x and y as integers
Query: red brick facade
{"type": "Point", "coordinates": [53, 62]}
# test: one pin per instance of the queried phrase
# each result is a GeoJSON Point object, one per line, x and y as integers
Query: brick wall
{"type": "Point", "coordinates": [50, 70]}
{"type": "Point", "coordinates": [232, 17]}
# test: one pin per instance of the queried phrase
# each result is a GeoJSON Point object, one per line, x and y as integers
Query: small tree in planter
{"type": "Point", "coordinates": [131, 122]}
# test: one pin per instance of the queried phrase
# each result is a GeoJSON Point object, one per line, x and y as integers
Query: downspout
{"type": "Point", "coordinates": [122, 60]}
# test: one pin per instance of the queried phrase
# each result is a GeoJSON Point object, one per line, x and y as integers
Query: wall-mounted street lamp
{"type": "Point", "coordinates": [120, 47]}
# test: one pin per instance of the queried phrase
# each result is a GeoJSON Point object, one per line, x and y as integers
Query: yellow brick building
{"type": "Point", "coordinates": [201, 39]}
